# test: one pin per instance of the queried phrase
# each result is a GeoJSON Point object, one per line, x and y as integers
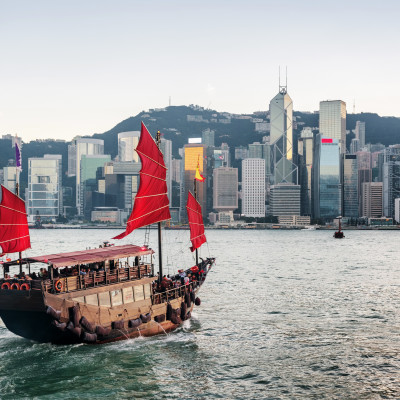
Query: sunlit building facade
{"type": "Point", "coordinates": [194, 154]}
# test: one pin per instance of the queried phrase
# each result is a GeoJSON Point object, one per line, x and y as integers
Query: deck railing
{"type": "Point", "coordinates": [93, 279]}
{"type": "Point", "coordinates": [174, 293]}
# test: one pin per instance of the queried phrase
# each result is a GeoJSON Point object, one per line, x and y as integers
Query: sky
{"type": "Point", "coordinates": [72, 68]}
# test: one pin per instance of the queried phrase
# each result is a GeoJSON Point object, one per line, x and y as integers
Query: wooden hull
{"type": "Point", "coordinates": [26, 313]}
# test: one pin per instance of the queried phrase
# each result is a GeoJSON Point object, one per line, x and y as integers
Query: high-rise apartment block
{"type": "Point", "coordinates": [372, 193]}
{"type": "Point", "coordinates": [253, 187]}
{"type": "Point", "coordinates": [332, 121]}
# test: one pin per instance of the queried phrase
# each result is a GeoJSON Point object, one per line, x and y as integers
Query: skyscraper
{"type": "Point", "coordinates": [78, 148]}
{"type": "Point", "coordinates": [253, 187]}
{"type": "Point", "coordinates": [391, 179]}
{"type": "Point", "coordinates": [350, 186]}
{"type": "Point", "coordinates": [360, 133]}
{"type": "Point", "coordinates": [332, 121]}
{"type": "Point", "coordinates": [327, 183]}
{"type": "Point", "coordinates": [364, 161]}
{"type": "Point", "coordinates": [306, 157]}
{"type": "Point", "coordinates": [283, 170]}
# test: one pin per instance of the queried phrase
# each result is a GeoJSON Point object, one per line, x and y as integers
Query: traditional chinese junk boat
{"type": "Point", "coordinates": [104, 294]}
{"type": "Point", "coordinates": [339, 233]}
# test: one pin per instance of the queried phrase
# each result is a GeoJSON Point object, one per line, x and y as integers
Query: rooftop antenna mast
{"type": "Point", "coordinates": [282, 88]}
{"type": "Point", "coordinates": [354, 106]}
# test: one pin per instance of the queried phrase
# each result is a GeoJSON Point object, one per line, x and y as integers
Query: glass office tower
{"type": "Point", "coordinates": [327, 182]}
{"type": "Point", "coordinates": [350, 186]}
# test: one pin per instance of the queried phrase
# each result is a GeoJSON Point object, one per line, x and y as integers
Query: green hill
{"type": "Point", "coordinates": [174, 125]}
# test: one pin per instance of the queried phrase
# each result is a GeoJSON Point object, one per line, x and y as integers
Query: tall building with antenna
{"type": "Point", "coordinates": [283, 170]}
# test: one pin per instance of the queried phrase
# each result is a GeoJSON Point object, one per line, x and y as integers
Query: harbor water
{"type": "Point", "coordinates": [284, 315]}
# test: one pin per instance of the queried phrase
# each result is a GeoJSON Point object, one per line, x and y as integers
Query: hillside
{"type": "Point", "coordinates": [174, 125]}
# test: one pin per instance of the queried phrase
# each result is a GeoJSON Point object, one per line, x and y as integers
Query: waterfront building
{"type": "Point", "coordinates": [283, 169]}
{"type": "Point", "coordinates": [225, 189]}
{"type": "Point", "coordinates": [350, 186]}
{"type": "Point", "coordinates": [253, 187]}
{"type": "Point", "coordinates": [327, 198]}
{"type": "Point", "coordinates": [45, 196]}
{"type": "Point", "coordinates": [372, 193]}
{"type": "Point", "coordinates": [306, 154]}
{"type": "Point", "coordinates": [285, 199]}
{"type": "Point", "coordinates": [397, 210]}
{"type": "Point", "coordinates": [127, 143]}
{"type": "Point", "coordinates": [360, 133]}
{"type": "Point", "coordinates": [294, 220]}
{"type": "Point", "coordinates": [78, 148]}
{"type": "Point", "coordinates": [391, 179]}
{"type": "Point", "coordinates": [332, 121]}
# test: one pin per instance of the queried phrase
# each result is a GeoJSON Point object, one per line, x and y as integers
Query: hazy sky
{"type": "Point", "coordinates": [80, 67]}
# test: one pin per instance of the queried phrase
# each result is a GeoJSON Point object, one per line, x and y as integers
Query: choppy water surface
{"type": "Point", "coordinates": [284, 314]}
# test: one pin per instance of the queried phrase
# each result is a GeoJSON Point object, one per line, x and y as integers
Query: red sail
{"type": "Point", "coordinates": [14, 231]}
{"type": "Point", "coordinates": [151, 202]}
{"type": "Point", "coordinates": [196, 224]}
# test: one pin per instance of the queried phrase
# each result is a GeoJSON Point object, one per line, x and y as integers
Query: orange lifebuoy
{"type": "Point", "coordinates": [6, 285]}
{"type": "Point", "coordinates": [58, 286]}
{"type": "Point", "coordinates": [25, 286]}
{"type": "Point", "coordinates": [15, 286]}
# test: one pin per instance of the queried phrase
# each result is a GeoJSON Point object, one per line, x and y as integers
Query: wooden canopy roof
{"type": "Point", "coordinates": [87, 256]}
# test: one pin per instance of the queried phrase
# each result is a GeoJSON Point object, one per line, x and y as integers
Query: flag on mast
{"type": "Point", "coordinates": [198, 175]}
{"type": "Point", "coordinates": [18, 157]}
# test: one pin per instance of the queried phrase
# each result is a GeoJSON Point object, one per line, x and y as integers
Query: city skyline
{"type": "Point", "coordinates": [73, 70]}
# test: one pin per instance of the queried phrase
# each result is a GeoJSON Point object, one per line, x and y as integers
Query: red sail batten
{"type": "Point", "coordinates": [14, 231]}
{"type": "Point", "coordinates": [151, 202]}
{"type": "Point", "coordinates": [196, 225]}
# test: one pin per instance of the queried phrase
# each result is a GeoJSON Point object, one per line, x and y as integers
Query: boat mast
{"type": "Point", "coordinates": [158, 141]}
{"type": "Point", "coordinates": [17, 193]}
{"type": "Point", "coordinates": [195, 196]}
